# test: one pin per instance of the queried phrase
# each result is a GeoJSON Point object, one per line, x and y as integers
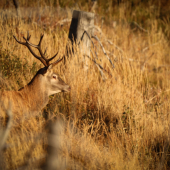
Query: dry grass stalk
{"type": "Point", "coordinates": [122, 123]}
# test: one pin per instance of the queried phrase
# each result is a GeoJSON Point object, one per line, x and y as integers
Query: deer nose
{"type": "Point", "coordinates": [69, 89]}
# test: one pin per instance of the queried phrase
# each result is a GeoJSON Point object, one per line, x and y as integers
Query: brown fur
{"type": "Point", "coordinates": [32, 98]}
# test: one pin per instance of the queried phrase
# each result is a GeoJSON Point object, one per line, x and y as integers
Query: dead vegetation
{"type": "Point", "coordinates": [119, 123]}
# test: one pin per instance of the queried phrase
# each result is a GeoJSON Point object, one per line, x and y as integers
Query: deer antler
{"type": "Point", "coordinates": [43, 59]}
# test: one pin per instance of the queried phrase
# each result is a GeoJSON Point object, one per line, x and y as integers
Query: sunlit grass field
{"type": "Point", "coordinates": [117, 122]}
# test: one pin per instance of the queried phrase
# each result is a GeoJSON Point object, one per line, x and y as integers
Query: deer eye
{"type": "Point", "coordinates": [54, 77]}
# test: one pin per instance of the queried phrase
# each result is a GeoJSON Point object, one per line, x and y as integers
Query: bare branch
{"type": "Point", "coordinates": [63, 21]}
{"type": "Point", "coordinates": [98, 64]}
{"type": "Point", "coordinates": [146, 48]}
{"type": "Point", "coordinates": [90, 40]}
{"type": "Point", "coordinates": [142, 29]}
{"type": "Point", "coordinates": [95, 37]}
{"type": "Point", "coordinates": [98, 29]}
{"type": "Point", "coordinates": [99, 67]}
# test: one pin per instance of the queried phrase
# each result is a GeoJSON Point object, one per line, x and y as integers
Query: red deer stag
{"type": "Point", "coordinates": [35, 95]}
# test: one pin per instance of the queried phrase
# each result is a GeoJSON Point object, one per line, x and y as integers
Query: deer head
{"type": "Point", "coordinates": [49, 81]}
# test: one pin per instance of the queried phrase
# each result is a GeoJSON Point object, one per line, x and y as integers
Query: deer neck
{"type": "Point", "coordinates": [35, 94]}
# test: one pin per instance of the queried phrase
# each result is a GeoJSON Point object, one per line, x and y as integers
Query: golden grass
{"type": "Point", "coordinates": [119, 123]}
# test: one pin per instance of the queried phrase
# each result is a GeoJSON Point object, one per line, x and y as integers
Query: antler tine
{"type": "Point", "coordinates": [28, 36]}
{"type": "Point", "coordinates": [52, 57]}
{"type": "Point", "coordinates": [45, 51]}
{"type": "Point", "coordinates": [39, 44]}
{"type": "Point", "coordinates": [56, 62]}
{"type": "Point", "coordinates": [39, 48]}
{"type": "Point", "coordinates": [41, 37]}
{"type": "Point", "coordinates": [27, 45]}
{"type": "Point", "coordinates": [23, 43]}
{"type": "Point", "coordinates": [43, 59]}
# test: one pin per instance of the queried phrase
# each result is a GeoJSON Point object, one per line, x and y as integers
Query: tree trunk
{"type": "Point", "coordinates": [16, 4]}
{"type": "Point", "coordinates": [81, 28]}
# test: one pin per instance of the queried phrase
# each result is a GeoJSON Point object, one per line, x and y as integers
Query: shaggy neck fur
{"type": "Point", "coordinates": [29, 100]}
{"type": "Point", "coordinates": [35, 94]}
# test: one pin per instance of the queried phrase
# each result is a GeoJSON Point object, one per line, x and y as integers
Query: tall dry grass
{"type": "Point", "coordinates": [119, 123]}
